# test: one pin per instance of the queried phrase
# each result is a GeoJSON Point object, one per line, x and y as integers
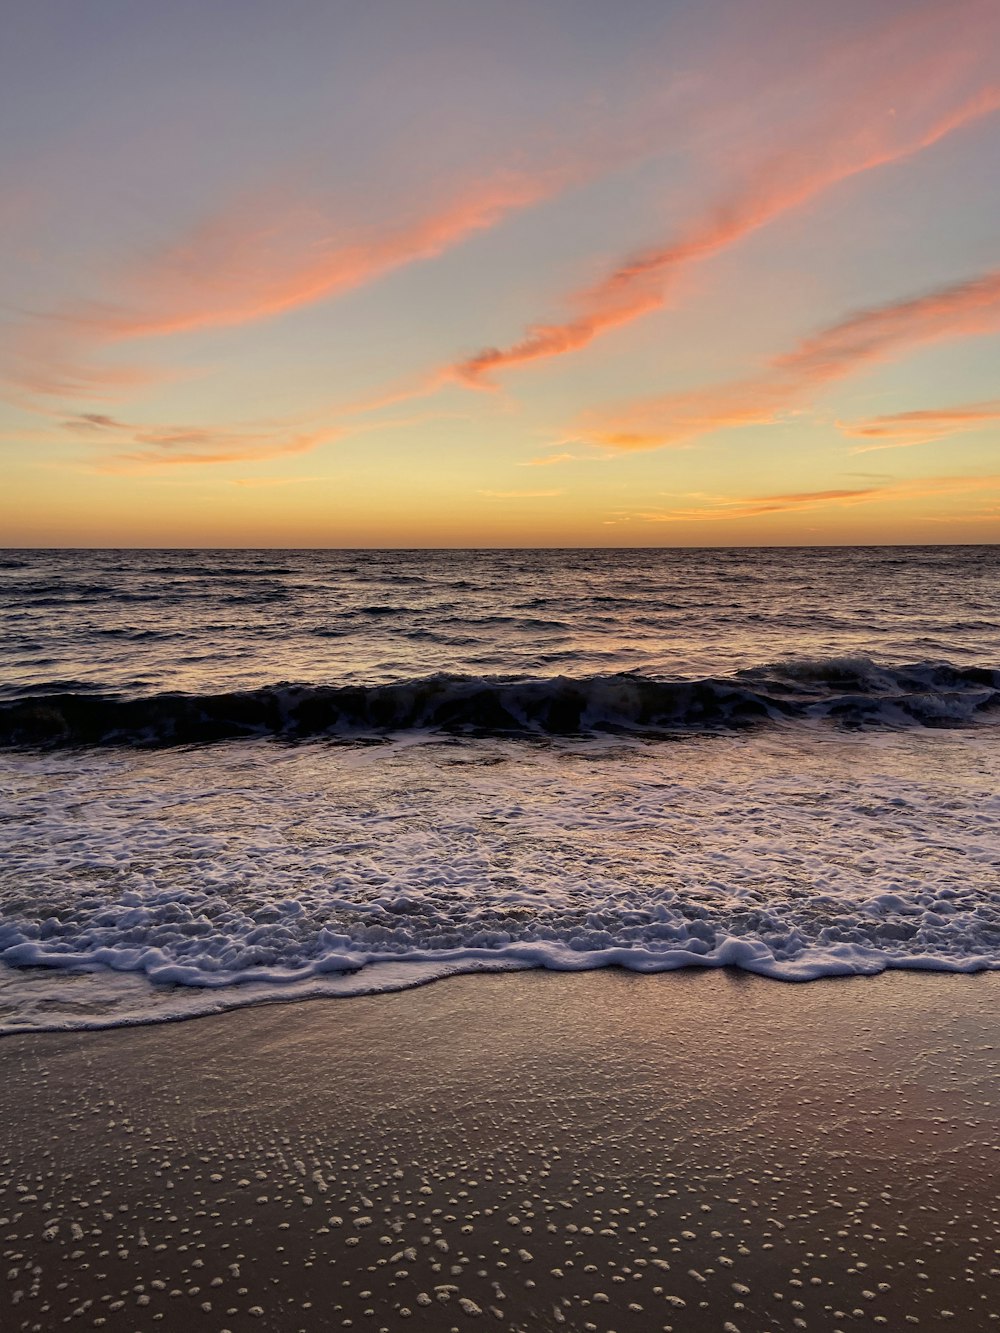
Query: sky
{"type": "Point", "coordinates": [407, 273]}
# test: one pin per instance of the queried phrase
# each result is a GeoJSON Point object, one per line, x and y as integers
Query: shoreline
{"type": "Point", "coordinates": [376, 979]}
{"type": "Point", "coordinates": [681, 1151]}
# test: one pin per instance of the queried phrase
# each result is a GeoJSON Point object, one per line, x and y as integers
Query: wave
{"type": "Point", "coordinates": [849, 692]}
{"type": "Point", "coordinates": [102, 997]}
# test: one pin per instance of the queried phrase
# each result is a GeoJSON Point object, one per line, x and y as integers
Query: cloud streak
{"type": "Point", "coordinates": [257, 483]}
{"type": "Point", "coordinates": [839, 350]}
{"type": "Point", "coordinates": [747, 507]}
{"type": "Point", "coordinates": [255, 261]}
{"type": "Point", "coordinates": [550, 460]}
{"type": "Point", "coordinates": [864, 132]}
{"type": "Point", "coordinates": [260, 257]}
{"type": "Point", "coordinates": [520, 495]}
{"type": "Point", "coordinates": [132, 447]}
{"type": "Point", "coordinates": [128, 447]}
{"type": "Point", "coordinates": [902, 430]}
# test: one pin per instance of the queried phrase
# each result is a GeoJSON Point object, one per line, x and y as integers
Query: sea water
{"type": "Point", "coordinates": [236, 776]}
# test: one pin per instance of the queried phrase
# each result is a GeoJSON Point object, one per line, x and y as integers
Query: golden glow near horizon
{"type": "Point", "coordinates": [500, 275]}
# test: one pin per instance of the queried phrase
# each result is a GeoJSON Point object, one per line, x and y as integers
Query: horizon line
{"type": "Point", "coordinates": [721, 546]}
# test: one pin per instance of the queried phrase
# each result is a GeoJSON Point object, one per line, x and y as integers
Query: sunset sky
{"type": "Point", "coordinates": [499, 272]}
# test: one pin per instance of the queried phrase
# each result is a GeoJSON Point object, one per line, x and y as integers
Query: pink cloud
{"type": "Point", "coordinates": [743, 507]}
{"type": "Point", "coordinates": [912, 92]}
{"type": "Point", "coordinates": [873, 335]}
{"type": "Point", "coordinates": [131, 447]}
{"type": "Point", "coordinates": [256, 259]}
{"type": "Point", "coordinates": [902, 430]}
{"type": "Point", "coordinates": [520, 495]}
{"type": "Point", "coordinates": [549, 460]}
{"type": "Point", "coordinates": [262, 258]}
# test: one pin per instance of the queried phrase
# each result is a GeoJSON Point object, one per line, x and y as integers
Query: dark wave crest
{"type": "Point", "coordinates": [853, 693]}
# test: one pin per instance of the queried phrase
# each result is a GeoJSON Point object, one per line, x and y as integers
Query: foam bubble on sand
{"type": "Point", "coordinates": [138, 886]}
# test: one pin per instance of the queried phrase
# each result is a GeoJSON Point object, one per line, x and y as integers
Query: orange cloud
{"type": "Point", "coordinates": [255, 483]}
{"type": "Point", "coordinates": [549, 460]}
{"type": "Point", "coordinates": [901, 430]}
{"type": "Point", "coordinates": [128, 447]}
{"type": "Point", "coordinates": [798, 501]}
{"type": "Point", "coordinates": [965, 308]}
{"type": "Point", "coordinates": [259, 258]}
{"type": "Point", "coordinates": [753, 507]}
{"type": "Point", "coordinates": [243, 266]}
{"type": "Point", "coordinates": [520, 495]}
{"type": "Point", "coordinates": [49, 359]}
{"type": "Point", "coordinates": [144, 461]}
{"type": "Point", "coordinates": [909, 97]}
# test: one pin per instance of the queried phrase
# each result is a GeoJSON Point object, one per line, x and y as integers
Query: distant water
{"type": "Point", "coordinates": [246, 775]}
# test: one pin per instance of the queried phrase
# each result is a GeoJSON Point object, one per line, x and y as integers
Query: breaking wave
{"type": "Point", "coordinates": [849, 692]}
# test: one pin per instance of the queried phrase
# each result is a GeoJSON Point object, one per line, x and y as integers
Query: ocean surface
{"type": "Point", "coordinates": [228, 777]}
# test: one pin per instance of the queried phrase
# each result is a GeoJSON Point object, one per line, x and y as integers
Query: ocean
{"type": "Point", "coordinates": [230, 777]}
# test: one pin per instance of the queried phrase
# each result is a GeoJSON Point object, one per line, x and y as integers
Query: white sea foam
{"type": "Point", "coordinates": [139, 886]}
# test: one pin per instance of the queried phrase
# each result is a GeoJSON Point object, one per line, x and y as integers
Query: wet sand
{"type": "Point", "coordinates": [533, 1151]}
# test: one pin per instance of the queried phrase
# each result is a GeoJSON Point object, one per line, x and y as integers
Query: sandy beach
{"type": "Point", "coordinates": [600, 1151]}
{"type": "Point", "coordinates": [500, 666]}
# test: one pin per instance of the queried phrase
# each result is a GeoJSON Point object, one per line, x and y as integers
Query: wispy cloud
{"type": "Point", "coordinates": [902, 430]}
{"type": "Point", "coordinates": [260, 483]}
{"type": "Point", "coordinates": [263, 258]}
{"type": "Point", "coordinates": [962, 308]}
{"type": "Point", "coordinates": [130, 447]}
{"type": "Point", "coordinates": [520, 495]}
{"type": "Point", "coordinates": [834, 352]}
{"type": "Point", "coordinates": [550, 460]}
{"type": "Point", "coordinates": [45, 359]}
{"type": "Point", "coordinates": [755, 506]}
{"type": "Point", "coordinates": [876, 334]}
{"type": "Point", "coordinates": [912, 94]}
{"type": "Point", "coordinates": [260, 256]}
{"type": "Point", "coordinates": [264, 252]}
{"type": "Point", "coordinates": [124, 446]}
{"type": "Point", "coordinates": [732, 508]}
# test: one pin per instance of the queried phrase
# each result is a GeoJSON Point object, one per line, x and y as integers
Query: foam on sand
{"type": "Point", "coordinates": [696, 1153]}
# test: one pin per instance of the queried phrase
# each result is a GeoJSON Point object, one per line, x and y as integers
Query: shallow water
{"type": "Point", "coordinates": [698, 1153]}
{"type": "Point", "coordinates": [200, 878]}
{"type": "Point", "coordinates": [795, 818]}
{"type": "Point", "coordinates": [138, 623]}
